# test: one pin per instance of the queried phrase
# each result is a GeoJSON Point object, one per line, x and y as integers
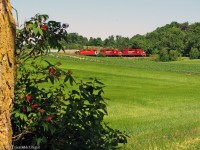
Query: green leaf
{"type": "Point", "coordinates": [52, 130]}
{"type": "Point", "coordinates": [35, 30]}
{"type": "Point", "coordinates": [39, 141]}
{"type": "Point", "coordinates": [75, 92]}
{"type": "Point", "coordinates": [45, 126]}
{"type": "Point", "coordinates": [97, 81]}
{"type": "Point", "coordinates": [51, 79]}
{"type": "Point", "coordinates": [40, 31]}
{"type": "Point", "coordinates": [32, 115]}
{"type": "Point", "coordinates": [15, 111]}
{"type": "Point", "coordinates": [17, 115]}
{"type": "Point", "coordinates": [71, 80]}
{"type": "Point", "coordinates": [18, 31]}
{"type": "Point", "coordinates": [66, 79]}
{"type": "Point", "coordinates": [25, 117]}
{"type": "Point", "coordinates": [50, 64]}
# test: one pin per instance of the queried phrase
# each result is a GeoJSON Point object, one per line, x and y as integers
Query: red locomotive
{"type": "Point", "coordinates": [133, 52]}
{"type": "Point", "coordinates": [88, 52]}
{"type": "Point", "coordinates": [110, 52]}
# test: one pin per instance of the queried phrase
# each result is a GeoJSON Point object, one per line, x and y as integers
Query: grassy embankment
{"type": "Point", "coordinates": [156, 103]}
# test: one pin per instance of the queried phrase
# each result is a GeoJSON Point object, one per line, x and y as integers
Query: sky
{"type": "Point", "coordinates": [102, 18]}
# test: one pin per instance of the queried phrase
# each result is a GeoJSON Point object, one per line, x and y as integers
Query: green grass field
{"type": "Point", "coordinates": [157, 104]}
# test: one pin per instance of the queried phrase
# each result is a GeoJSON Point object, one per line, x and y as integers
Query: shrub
{"type": "Point", "coordinates": [164, 55]}
{"type": "Point", "coordinates": [173, 55]}
{"type": "Point", "coordinates": [194, 53]}
{"type": "Point", "coordinates": [101, 55]}
{"type": "Point", "coordinates": [57, 118]}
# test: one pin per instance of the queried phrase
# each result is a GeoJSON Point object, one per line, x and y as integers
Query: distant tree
{"type": "Point", "coordinates": [90, 41]}
{"type": "Point", "coordinates": [110, 41]}
{"type": "Point", "coordinates": [98, 42]}
{"type": "Point", "coordinates": [192, 39]}
{"type": "Point", "coordinates": [137, 41]}
{"type": "Point", "coordinates": [141, 41]}
{"type": "Point", "coordinates": [74, 41]}
{"type": "Point", "coordinates": [170, 36]}
{"type": "Point", "coordinates": [173, 38]}
{"type": "Point", "coordinates": [84, 40]}
{"type": "Point", "coordinates": [153, 41]}
{"type": "Point", "coordinates": [95, 41]}
{"type": "Point", "coordinates": [184, 26]}
{"type": "Point", "coordinates": [173, 24]}
{"type": "Point", "coordinates": [122, 42]}
{"type": "Point", "coordinates": [73, 38]}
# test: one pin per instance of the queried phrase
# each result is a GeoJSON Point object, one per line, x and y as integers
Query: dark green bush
{"type": "Point", "coordinates": [173, 55]}
{"type": "Point", "coordinates": [164, 55]}
{"type": "Point", "coordinates": [54, 117]}
{"type": "Point", "coordinates": [194, 53]}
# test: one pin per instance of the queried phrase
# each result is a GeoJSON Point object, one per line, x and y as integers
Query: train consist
{"type": "Point", "coordinates": [126, 52]}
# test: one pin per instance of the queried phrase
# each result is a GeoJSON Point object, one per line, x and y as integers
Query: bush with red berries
{"type": "Point", "coordinates": [46, 112]}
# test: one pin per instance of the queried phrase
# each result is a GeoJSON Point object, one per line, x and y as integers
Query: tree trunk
{"type": "Point", "coordinates": [7, 45]}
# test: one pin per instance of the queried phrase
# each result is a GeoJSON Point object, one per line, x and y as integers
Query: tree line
{"type": "Point", "coordinates": [182, 39]}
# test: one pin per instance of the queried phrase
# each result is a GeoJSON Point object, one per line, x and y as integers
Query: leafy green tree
{"type": "Point", "coordinates": [122, 42]}
{"type": "Point", "coordinates": [74, 41]}
{"type": "Point", "coordinates": [169, 36]}
{"type": "Point", "coordinates": [184, 26]}
{"type": "Point", "coordinates": [173, 38]}
{"type": "Point", "coordinates": [110, 42]}
{"type": "Point", "coordinates": [84, 40]}
{"type": "Point", "coordinates": [73, 38]}
{"type": "Point", "coordinates": [153, 41]}
{"type": "Point", "coordinates": [95, 41]}
{"type": "Point", "coordinates": [141, 41]}
{"type": "Point", "coordinates": [138, 41]}
{"type": "Point", "coordinates": [192, 39]}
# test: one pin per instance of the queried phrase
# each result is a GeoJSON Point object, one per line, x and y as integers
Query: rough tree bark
{"type": "Point", "coordinates": [7, 45]}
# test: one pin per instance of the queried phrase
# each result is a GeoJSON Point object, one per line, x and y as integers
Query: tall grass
{"type": "Point", "coordinates": [156, 103]}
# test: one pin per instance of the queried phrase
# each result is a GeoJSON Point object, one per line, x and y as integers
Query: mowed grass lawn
{"type": "Point", "coordinates": [157, 104]}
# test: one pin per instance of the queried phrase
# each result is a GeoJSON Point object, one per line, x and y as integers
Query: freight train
{"type": "Point", "coordinates": [126, 52]}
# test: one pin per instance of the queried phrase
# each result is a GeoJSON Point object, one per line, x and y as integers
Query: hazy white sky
{"type": "Point", "coordinates": [102, 18]}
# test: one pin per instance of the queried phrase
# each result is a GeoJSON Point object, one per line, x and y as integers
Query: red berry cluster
{"type": "Point", "coordinates": [52, 70]}
{"type": "Point", "coordinates": [28, 98]}
{"type": "Point", "coordinates": [34, 106]}
{"type": "Point", "coordinates": [49, 118]}
{"type": "Point", "coordinates": [43, 27]}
